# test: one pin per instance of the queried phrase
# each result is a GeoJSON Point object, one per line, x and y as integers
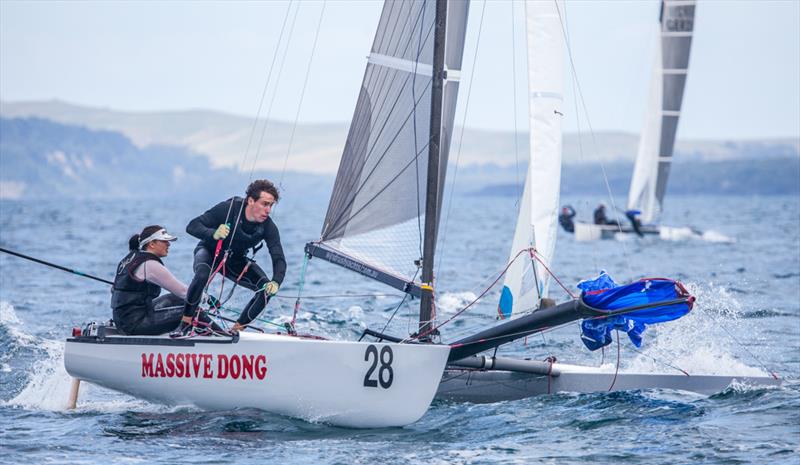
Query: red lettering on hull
{"type": "Point", "coordinates": [181, 365]}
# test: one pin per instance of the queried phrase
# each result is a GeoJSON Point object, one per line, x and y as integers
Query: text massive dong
{"type": "Point", "coordinates": [181, 365]}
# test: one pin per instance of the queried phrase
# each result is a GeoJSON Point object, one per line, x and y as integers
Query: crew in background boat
{"type": "Point", "coordinates": [240, 225]}
{"type": "Point", "coordinates": [601, 218]}
{"type": "Point", "coordinates": [565, 218]}
{"type": "Point", "coordinates": [636, 223]}
{"type": "Point", "coordinates": [137, 307]}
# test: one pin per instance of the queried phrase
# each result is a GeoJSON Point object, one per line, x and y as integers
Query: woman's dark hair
{"type": "Point", "coordinates": [258, 186]}
{"type": "Point", "coordinates": [133, 242]}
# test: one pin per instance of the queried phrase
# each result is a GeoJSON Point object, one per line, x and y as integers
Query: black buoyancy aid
{"type": "Point", "coordinates": [129, 294]}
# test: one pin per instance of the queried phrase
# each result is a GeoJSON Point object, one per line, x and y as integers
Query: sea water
{"type": "Point", "coordinates": [744, 271]}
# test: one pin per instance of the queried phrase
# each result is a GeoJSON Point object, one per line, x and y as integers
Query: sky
{"type": "Point", "coordinates": [744, 76]}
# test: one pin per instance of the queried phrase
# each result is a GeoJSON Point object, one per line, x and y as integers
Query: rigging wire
{"type": "Point", "coordinates": [579, 96]}
{"type": "Point", "coordinates": [532, 252]}
{"type": "Point", "coordinates": [303, 91]}
{"type": "Point", "coordinates": [461, 139]}
{"type": "Point", "coordinates": [416, 147]}
{"type": "Point", "coordinates": [252, 133]}
{"type": "Point", "coordinates": [275, 91]}
{"type": "Point", "coordinates": [514, 100]}
{"type": "Point", "coordinates": [264, 92]}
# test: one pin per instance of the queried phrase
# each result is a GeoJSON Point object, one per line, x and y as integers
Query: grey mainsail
{"type": "Point", "coordinates": [676, 26]}
{"type": "Point", "coordinates": [376, 214]}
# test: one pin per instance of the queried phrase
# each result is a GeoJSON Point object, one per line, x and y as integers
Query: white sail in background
{"type": "Point", "coordinates": [526, 281]}
{"type": "Point", "coordinates": [675, 29]}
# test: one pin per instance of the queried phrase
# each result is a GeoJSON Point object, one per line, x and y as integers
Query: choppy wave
{"type": "Point", "coordinates": [702, 342]}
{"type": "Point", "coordinates": [46, 383]}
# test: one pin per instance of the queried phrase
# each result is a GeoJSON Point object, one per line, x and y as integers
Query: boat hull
{"type": "Point", "coordinates": [593, 232]}
{"type": "Point", "coordinates": [479, 386]}
{"type": "Point", "coordinates": [353, 384]}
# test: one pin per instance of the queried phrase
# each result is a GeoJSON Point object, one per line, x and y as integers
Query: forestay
{"type": "Point", "coordinates": [527, 281]}
{"type": "Point", "coordinates": [676, 26]}
{"type": "Point", "coordinates": [376, 214]}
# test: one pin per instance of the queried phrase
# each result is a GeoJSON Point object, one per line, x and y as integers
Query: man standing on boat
{"type": "Point", "coordinates": [227, 232]}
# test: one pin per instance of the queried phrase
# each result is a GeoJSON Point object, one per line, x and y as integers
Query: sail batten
{"type": "Point", "coordinates": [657, 143]}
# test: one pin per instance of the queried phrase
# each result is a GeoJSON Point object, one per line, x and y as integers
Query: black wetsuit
{"type": "Point", "coordinates": [565, 219]}
{"type": "Point", "coordinates": [247, 235]}
{"type": "Point", "coordinates": [601, 218]}
{"type": "Point", "coordinates": [136, 305]}
{"type": "Point", "coordinates": [636, 223]}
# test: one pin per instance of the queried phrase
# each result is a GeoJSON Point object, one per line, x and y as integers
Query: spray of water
{"type": "Point", "coordinates": [48, 384]}
{"type": "Point", "coordinates": [699, 343]}
{"type": "Point", "coordinates": [451, 302]}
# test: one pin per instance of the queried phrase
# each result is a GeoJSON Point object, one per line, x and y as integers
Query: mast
{"type": "Point", "coordinates": [656, 146]}
{"type": "Point", "coordinates": [432, 191]}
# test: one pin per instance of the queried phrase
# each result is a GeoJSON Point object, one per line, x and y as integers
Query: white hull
{"type": "Point", "coordinates": [478, 386]}
{"type": "Point", "coordinates": [335, 382]}
{"type": "Point", "coordinates": [593, 232]}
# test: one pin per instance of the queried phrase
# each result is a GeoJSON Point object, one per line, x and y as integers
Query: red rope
{"type": "Point", "coordinates": [474, 301]}
{"type": "Point", "coordinates": [533, 254]}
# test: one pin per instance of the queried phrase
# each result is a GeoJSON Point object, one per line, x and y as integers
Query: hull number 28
{"type": "Point", "coordinates": [385, 374]}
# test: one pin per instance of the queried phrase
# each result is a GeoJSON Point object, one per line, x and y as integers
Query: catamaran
{"type": "Point", "coordinates": [382, 223]}
{"type": "Point", "coordinates": [675, 29]}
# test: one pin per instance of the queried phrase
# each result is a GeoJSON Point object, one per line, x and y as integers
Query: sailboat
{"type": "Point", "coordinates": [382, 223]}
{"type": "Point", "coordinates": [645, 203]}
{"type": "Point", "coordinates": [401, 110]}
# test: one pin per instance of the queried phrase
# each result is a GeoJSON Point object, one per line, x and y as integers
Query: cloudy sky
{"type": "Point", "coordinates": [156, 56]}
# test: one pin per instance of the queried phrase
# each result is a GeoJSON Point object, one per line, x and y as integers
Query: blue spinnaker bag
{"type": "Point", "coordinates": [603, 294]}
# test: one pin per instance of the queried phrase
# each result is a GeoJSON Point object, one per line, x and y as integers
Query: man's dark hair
{"type": "Point", "coordinates": [258, 186]}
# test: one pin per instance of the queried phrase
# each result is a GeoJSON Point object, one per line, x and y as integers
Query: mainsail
{"type": "Point", "coordinates": [526, 280]}
{"type": "Point", "coordinates": [376, 216]}
{"type": "Point", "coordinates": [676, 26]}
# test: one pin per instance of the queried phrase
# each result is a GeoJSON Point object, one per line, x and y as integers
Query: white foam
{"type": "Point", "coordinates": [9, 319]}
{"type": "Point", "coordinates": [451, 302]}
{"type": "Point", "coordinates": [355, 312]}
{"type": "Point", "coordinates": [698, 342]}
{"type": "Point", "coordinates": [714, 236]}
{"type": "Point", "coordinates": [675, 234]}
{"type": "Point", "coordinates": [48, 383]}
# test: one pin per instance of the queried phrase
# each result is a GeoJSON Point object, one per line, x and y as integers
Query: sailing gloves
{"type": "Point", "coordinates": [271, 288]}
{"type": "Point", "coordinates": [222, 232]}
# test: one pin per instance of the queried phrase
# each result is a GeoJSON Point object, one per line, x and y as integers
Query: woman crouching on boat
{"type": "Point", "coordinates": [135, 300]}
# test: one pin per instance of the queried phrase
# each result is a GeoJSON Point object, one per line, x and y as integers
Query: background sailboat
{"type": "Point", "coordinates": [675, 29]}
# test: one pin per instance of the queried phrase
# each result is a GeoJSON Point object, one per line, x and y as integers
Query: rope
{"type": "Point", "coordinates": [514, 98]}
{"type": "Point", "coordinates": [733, 338]}
{"type": "Point", "coordinates": [301, 284]}
{"type": "Point", "coordinates": [616, 371]}
{"type": "Point", "coordinates": [414, 126]}
{"type": "Point", "coordinates": [303, 91]}
{"type": "Point", "coordinates": [275, 90]}
{"type": "Point", "coordinates": [535, 255]}
{"type": "Point", "coordinates": [460, 140]}
{"type": "Point", "coordinates": [660, 361]}
{"type": "Point", "coordinates": [577, 84]}
{"type": "Point", "coordinates": [485, 291]}
{"type": "Point", "coordinates": [264, 93]}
